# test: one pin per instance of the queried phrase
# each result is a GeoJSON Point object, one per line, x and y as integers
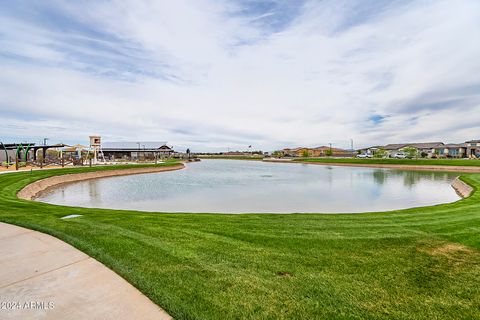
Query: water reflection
{"type": "Point", "coordinates": [227, 186]}
{"type": "Point", "coordinates": [410, 178]}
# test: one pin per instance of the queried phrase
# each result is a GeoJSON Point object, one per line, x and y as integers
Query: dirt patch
{"type": "Point", "coordinates": [448, 249]}
{"type": "Point", "coordinates": [36, 188]}
{"type": "Point", "coordinates": [453, 254]}
{"type": "Point", "coordinates": [284, 274]}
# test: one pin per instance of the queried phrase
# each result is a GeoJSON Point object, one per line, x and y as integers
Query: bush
{"type": "Point", "coordinates": [277, 154]}
{"type": "Point", "coordinates": [410, 152]}
{"type": "Point", "coordinates": [380, 153]}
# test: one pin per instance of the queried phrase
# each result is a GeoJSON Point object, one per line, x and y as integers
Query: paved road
{"type": "Point", "coordinates": [42, 277]}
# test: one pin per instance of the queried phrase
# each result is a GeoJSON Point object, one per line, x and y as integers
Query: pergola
{"type": "Point", "coordinates": [31, 146]}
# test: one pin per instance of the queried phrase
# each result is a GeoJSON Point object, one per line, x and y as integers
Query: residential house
{"type": "Point", "coordinates": [425, 149]}
{"type": "Point", "coordinates": [317, 152]}
{"type": "Point", "coordinates": [452, 150]}
{"type": "Point", "coordinates": [292, 152]}
{"type": "Point", "coordinates": [473, 148]}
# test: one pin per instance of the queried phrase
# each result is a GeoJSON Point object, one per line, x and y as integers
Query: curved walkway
{"type": "Point", "coordinates": [42, 277]}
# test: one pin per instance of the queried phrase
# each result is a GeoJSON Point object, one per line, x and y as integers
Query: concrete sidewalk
{"type": "Point", "coordinates": [42, 277]}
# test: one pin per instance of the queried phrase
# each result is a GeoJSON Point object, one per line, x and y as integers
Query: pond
{"type": "Point", "coordinates": [235, 186]}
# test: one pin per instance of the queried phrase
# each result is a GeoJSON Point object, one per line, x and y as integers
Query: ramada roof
{"type": "Point", "coordinates": [133, 145]}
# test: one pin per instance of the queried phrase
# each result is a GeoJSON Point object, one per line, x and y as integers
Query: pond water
{"type": "Point", "coordinates": [232, 186]}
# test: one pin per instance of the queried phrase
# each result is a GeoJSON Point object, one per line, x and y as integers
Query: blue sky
{"type": "Point", "coordinates": [213, 74]}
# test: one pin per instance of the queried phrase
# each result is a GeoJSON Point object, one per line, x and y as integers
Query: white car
{"type": "Point", "coordinates": [364, 155]}
{"type": "Point", "coordinates": [400, 155]}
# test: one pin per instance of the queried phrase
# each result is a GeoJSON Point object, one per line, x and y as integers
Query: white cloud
{"type": "Point", "coordinates": [203, 73]}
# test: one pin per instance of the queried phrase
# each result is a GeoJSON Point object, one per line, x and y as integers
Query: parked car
{"type": "Point", "coordinates": [364, 155]}
{"type": "Point", "coordinates": [400, 155]}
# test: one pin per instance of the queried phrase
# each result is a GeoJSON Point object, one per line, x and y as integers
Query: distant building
{"type": "Point", "coordinates": [473, 148]}
{"type": "Point", "coordinates": [425, 149]}
{"type": "Point", "coordinates": [135, 150]}
{"type": "Point", "coordinates": [317, 152]}
{"type": "Point", "coordinates": [452, 150]}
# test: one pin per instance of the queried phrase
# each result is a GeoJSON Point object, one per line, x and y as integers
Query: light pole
{"type": "Point", "coordinates": [45, 141]}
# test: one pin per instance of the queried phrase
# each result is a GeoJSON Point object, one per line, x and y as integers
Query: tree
{"type": "Point", "coordinates": [380, 153]}
{"type": "Point", "coordinates": [277, 154]}
{"type": "Point", "coordinates": [411, 152]}
{"type": "Point", "coordinates": [305, 153]}
{"type": "Point", "coordinates": [329, 153]}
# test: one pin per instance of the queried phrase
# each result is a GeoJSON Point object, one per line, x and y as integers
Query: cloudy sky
{"type": "Point", "coordinates": [214, 74]}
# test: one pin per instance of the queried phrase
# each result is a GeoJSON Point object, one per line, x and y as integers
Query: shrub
{"type": "Point", "coordinates": [380, 153]}
{"type": "Point", "coordinates": [411, 152]}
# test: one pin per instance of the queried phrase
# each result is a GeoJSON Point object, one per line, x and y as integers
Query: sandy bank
{"type": "Point", "coordinates": [465, 169]}
{"type": "Point", "coordinates": [34, 189]}
{"type": "Point", "coordinates": [463, 189]}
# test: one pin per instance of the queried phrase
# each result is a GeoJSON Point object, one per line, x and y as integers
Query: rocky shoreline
{"type": "Point", "coordinates": [463, 189]}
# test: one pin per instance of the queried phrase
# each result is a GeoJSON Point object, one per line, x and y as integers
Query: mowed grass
{"type": "Point", "coordinates": [419, 263]}
{"type": "Point", "coordinates": [413, 162]}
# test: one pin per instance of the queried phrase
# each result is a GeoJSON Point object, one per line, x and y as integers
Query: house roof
{"type": "Point", "coordinates": [133, 145]}
{"type": "Point", "coordinates": [293, 149]}
{"type": "Point", "coordinates": [395, 146]}
{"type": "Point", "coordinates": [473, 141]}
{"type": "Point", "coordinates": [421, 145]}
{"type": "Point", "coordinates": [426, 145]}
{"type": "Point", "coordinates": [455, 145]}
{"type": "Point", "coordinates": [327, 148]}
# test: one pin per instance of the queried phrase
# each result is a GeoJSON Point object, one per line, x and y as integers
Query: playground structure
{"type": "Point", "coordinates": [30, 155]}
{"type": "Point", "coordinates": [96, 149]}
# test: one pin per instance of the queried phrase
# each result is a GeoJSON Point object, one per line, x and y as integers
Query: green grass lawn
{"type": "Point", "coordinates": [419, 263]}
{"type": "Point", "coordinates": [422, 162]}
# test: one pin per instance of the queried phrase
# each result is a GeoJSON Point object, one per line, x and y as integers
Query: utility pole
{"type": "Point", "coordinates": [351, 142]}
